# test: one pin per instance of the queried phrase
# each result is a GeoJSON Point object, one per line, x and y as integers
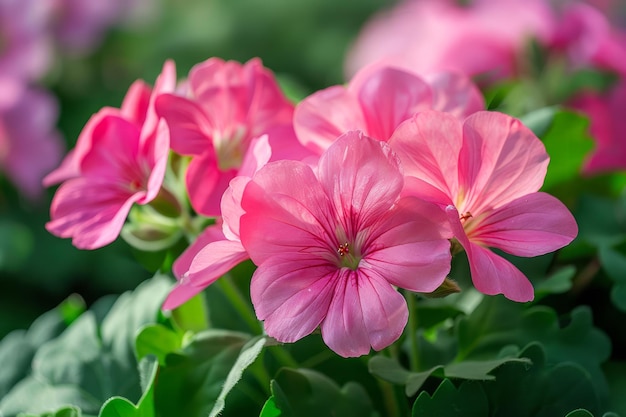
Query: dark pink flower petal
{"type": "Point", "coordinates": [531, 225]}
{"type": "Point", "coordinates": [91, 211]}
{"type": "Point", "coordinates": [190, 130]}
{"type": "Point", "coordinates": [365, 311]}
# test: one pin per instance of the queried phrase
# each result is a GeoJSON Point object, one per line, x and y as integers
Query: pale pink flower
{"type": "Point", "coordinates": [218, 248]}
{"type": "Point", "coordinates": [331, 243]}
{"type": "Point", "coordinates": [484, 37]}
{"type": "Point", "coordinates": [608, 127]}
{"type": "Point", "coordinates": [120, 160]}
{"type": "Point", "coordinates": [30, 147]}
{"type": "Point", "coordinates": [486, 172]}
{"type": "Point", "coordinates": [377, 100]}
{"type": "Point", "coordinates": [229, 104]}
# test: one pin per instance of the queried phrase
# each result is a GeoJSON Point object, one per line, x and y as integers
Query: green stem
{"type": "Point", "coordinates": [412, 329]}
{"type": "Point", "coordinates": [241, 305]}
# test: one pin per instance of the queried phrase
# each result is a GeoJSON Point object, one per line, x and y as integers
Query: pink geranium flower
{"type": "Point", "coordinates": [120, 160]}
{"type": "Point", "coordinates": [30, 147]}
{"type": "Point", "coordinates": [486, 172]}
{"type": "Point", "coordinates": [331, 244]}
{"type": "Point", "coordinates": [228, 105]}
{"type": "Point", "coordinates": [377, 100]}
{"type": "Point", "coordinates": [483, 37]}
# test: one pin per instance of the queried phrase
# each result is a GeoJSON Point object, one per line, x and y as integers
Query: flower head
{"type": "Point", "coordinates": [228, 105]}
{"type": "Point", "coordinates": [377, 100]}
{"type": "Point", "coordinates": [486, 172]}
{"type": "Point", "coordinates": [331, 244]}
{"type": "Point", "coordinates": [120, 160]}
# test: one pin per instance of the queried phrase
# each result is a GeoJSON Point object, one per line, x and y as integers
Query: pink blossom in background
{"type": "Point", "coordinates": [377, 100]}
{"type": "Point", "coordinates": [25, 43]}
{"type": "Point", "coordinates": [120, 160]}
{"type": "Point", "coordinates": [331, 243]}
{"type": "Point", "coordinates": [228, 105]}
{"type": "Point", "coordinates": [218, 248]}
{"type": "Point", "coordinates": [608, 127]}
{"type": "Point", "coordinates": [485, 37]}
{"type": "Point", "coordinates": [486, 172]}
{"type": "Point", "coordinates": [30, 146]}
{"type": "Point", "coordinates": [587, 37]}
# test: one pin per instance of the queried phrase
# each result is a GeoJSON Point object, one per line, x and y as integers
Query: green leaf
{"type": "Point", "coordinates": [557, 283]}
{"type": "Point", "coordinates": [616, 375]}
{"type": "Point", "coordinates": [248, 354]}
{"type": "Point", "coordinates": [601, 221]}
{"type": "Point", "coordinates": [468, 400]}
{"type": "Point", "coordinates": [157, 340]}
{"type": "Point", "coordinates": [484, 333]}
{"type": "Point", "coordinates": [567, 142]}
{"type": "Point", "coordinates": [579, 413]}
{"type": "Point", "coordinates": [192, 378]}
{"type": "Point", "coordinates": [614, 263]}
{"type": "Point", "coordinates": [93, 359]}
{"type": "Point", "coordinates": [121, 407]}
{"type": "Point", "coordinates": [307, 393]}
{"type": "Point", "coordinates": [192, 315]}
{"type": "Point", "coordinates": [270, 409]}
{"type": "Point", "coordinates": [540, 120]}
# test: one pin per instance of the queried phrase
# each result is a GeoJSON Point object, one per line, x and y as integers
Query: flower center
{"type": "Point", "coordinates": [230, 150]}
{"type": "Point", "coordinates": [347, 258]}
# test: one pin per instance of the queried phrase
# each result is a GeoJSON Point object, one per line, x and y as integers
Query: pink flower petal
{"type": "Point", "coordinates": [367, 183]}
{"type": "Point", "coordinates": [285, 207]}
{"type": "Point", "coordinates": [491, 274]}
{"type": "Point", "coordinates": [325, 115]}
{"type": "Point", "coordinates": [501, 160]}
{"type": "Point", "coordinates": [190, 130]}
{"type": "Point", "coordinates": [90, 210]}
{"type": "Point", "coordinates": [455, 93]}
{"type": "Point", "coordinates": [429, 145]}
{"type": "Point", "coordinates": [292, 297]}
{"type": "Point", "coordinates": [366, 311]}
{"type": "Point", "coordinates": [389, 96]}
{"type": "Point", "coordinates": [531, 225]}
{"type": "Point", "coordinates": [411, 246]}
{"type": "Point", "coordinates": [206, 183]}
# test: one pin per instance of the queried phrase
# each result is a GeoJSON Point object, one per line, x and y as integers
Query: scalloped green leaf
{"type": "Point", "coordinates": [484, 333]}
{"type": "Point", "coordinates": [307, 393]}
{"type": "Point", "coordinates": [614, 263]}
{"type": "Point", "coordinates": [157, 340]}
{"type": "Point", "coordinates": [468, 400]}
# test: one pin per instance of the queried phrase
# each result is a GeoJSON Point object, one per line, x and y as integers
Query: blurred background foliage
{"type": "Point", "coordinates": [303, 42]}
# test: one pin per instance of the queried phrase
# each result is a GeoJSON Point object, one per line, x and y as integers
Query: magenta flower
{"type": "Point", "coordinates": [331, 244]}
{"type": "Point", "coordinates": [486, 172]}
{"type": "Point", "coordinates": [377, 100]}
{"type": "Point", "coordinates": [229, 104]}
{"type": "Point", "coordinates": [120, 160]}
{"type": "Point", "coordinates": [608, 127]}
{"type": "Point", "coordinates": [30, 147]}
{"type": "Point", "coordinates": [218, 248]}
{"type": "Point", "coordinates": [484, 37]}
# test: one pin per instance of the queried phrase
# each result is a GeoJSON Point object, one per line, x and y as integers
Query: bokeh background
{"type": "Point", "coordinates": [84, 54]}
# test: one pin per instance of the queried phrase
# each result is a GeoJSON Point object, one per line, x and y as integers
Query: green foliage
{"type": "Point", "coordinates": [306, 393]}
{"type": "Point", "coordinates": [90, 361]}
{"type": "Point", "coordinates": [121, 407]}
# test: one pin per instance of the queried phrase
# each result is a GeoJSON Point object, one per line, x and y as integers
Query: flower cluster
{"type": "Point", "coordinates": [491, 40]}
{"type": "Point", "coordinates": [340, 200]}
